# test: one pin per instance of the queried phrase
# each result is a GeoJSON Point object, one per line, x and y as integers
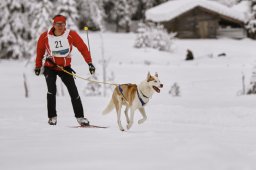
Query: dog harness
{"type": "Point", "coordinates": [142, 102]}
{"type": "Point", "coordinates": [121, 91]}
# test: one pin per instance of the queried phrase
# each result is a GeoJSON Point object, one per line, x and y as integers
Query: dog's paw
{"type": "Point", "coordinates": [129, 126]}
{"type": "Point", "coordinates": [141, 121]}
{"type": "Point", "coordinates": [121, 128]}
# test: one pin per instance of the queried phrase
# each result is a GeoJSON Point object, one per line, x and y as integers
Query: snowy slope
{"type": "Point", "coordinates": [208, 127]}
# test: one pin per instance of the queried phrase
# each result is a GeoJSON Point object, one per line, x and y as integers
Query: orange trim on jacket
{"type": "Point", "coordinates": [74, 40]}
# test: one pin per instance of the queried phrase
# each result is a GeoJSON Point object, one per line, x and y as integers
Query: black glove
{"type": "Point", "coordinates": [91, 68]}
{"type": "Point", "coordinates": [37, 71]}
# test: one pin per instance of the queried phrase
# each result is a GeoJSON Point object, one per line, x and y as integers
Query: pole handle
{"type": "Point", "coordinates": [86, 29]}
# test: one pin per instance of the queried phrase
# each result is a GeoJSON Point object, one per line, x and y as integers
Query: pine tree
{"type": "Point", "coordinates": [251, 25]}
{"type": "Point", "coordinates": [83, 7]}
{"type": "Point", "coordinates": [121, 12]}
{"type": "Point", "coordinates": [133, 7]}
{"type": "Point", "coordinates": [97, 14]}
{"type": "Point", "coordinates": [154, 37]}
{"type": "Point", "coordinates": [143, 37]}
{"type": "Point", "coordinates": [122, 15]}
{"type": "Point", "coordinates": [88, 14]}
{"type": "Point", "coordinates": [14, 30]}
{"type": "Point", "coordinates": [143, 5]}
{"type": "Point", "coordinates": [68, 9]}
{"type": "Point", "coordinates": [161, 39]}
{"type": "Point", "coordinates": [40, 15]}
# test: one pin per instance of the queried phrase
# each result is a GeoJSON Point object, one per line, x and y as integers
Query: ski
{"type": "Point", "coordinates": [90, 126]}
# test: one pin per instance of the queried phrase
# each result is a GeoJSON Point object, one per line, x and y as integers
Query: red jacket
{"type": "Point", "coordinates": [73, 39]}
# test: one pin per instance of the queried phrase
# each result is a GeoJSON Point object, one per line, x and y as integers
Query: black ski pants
{"type": "Point", "coordinates": [51, 77]}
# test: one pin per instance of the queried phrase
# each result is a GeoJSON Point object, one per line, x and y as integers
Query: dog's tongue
{"type": "Point", "coordinates": [156, 89]}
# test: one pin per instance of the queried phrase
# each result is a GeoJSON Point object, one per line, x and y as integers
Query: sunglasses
{"type": "Point", "coordinates": [60, 24]}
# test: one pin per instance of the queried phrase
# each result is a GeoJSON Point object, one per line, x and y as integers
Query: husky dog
{"type": "Point", "coordinates": [133, 97]}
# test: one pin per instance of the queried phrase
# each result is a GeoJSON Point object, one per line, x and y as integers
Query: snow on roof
{"type": "Point", "coordinates": [171, 9]}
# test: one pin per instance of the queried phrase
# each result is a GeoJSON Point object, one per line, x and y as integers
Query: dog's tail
{"type": "Point", "coordinates": [109, 107]}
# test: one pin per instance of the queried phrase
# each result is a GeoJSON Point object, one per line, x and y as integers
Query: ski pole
{"type": "Point", "coordinates": [86, 29]}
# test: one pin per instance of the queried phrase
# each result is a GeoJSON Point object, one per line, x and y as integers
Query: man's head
{"type": "Point", "coordinates": [59, 23]}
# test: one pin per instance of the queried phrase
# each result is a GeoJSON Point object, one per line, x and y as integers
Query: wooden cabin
{"type": "Point", "coordinates": [202, 19]}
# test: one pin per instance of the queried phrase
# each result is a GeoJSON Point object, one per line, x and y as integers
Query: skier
{"type": "Point", "coordinates": [57, 43]}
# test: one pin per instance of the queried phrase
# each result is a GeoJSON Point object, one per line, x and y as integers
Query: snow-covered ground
{"type": "Point", "coordinates": [209, 127]}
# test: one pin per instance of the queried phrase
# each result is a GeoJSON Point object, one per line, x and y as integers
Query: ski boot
{"type": "Point", "coordinates": [52, 121]}
{"type": "Point", "coordinates": [83, 121]}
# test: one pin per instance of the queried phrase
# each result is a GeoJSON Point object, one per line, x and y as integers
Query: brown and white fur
{"type": "Point", "coordinates": [126, 94]}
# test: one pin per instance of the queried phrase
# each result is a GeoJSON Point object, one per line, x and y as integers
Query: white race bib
{"type": "Point", "coordinates": [59, 45]}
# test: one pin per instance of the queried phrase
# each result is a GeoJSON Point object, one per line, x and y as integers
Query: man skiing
{"type": "Point", "coordinates": [57, 43]}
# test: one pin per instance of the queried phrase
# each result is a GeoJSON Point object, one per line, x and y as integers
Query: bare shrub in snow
{"type": "Point", "coordinates": [92, 88]}
{"type": "Point", "coordinates": [155, 37]}
{"type": "Point", "coordinates": [25, 85]}
{"type": "Point", "coordinates": [175, 90]}
{"type": "Point", "coordinates": [148, 63]}
{"type": "Point", "coordinates": [189, 55]}
{"type": "Point", "coordinates": [252, 86]}
{"type": "Point", "coordinates": [110, 79]}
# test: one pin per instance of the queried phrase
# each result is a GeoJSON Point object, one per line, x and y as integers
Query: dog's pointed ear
{"type": "Point", "coordinates": [156, 74]}
{"type": "Point", "coordinates": [148, 76]}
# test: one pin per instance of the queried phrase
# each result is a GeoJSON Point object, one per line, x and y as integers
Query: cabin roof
{"type": "Point", "coordinates": [172, 9]}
